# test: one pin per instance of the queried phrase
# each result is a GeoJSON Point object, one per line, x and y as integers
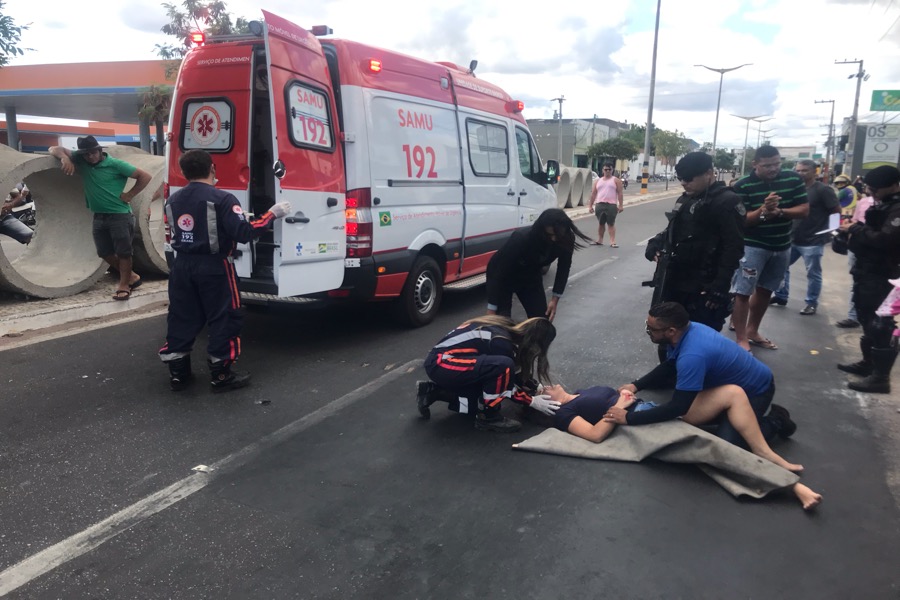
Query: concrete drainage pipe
{"type": "Point", "coordinates": [577, 188]}
{"type": "Point", "coordinates": [564, 188]}
{"type": "Point", "coordinates": [61, 259]}
{"type": "Point", "coordinates": [588, 187]}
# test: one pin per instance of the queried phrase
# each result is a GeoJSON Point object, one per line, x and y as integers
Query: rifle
{"type": "Point", "coordinates": [661, 276]}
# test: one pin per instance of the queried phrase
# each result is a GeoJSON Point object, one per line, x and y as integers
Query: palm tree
{"type": "Point", "coordinates": [157, 100]}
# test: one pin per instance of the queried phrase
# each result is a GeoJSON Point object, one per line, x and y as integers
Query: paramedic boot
{"type": "Point", "coordinates": [879, 382]}
{"type": "Point", "coordinates": [490, 419]}
{"type": "Point", "coordinates": [223, 379]}
{"type": "Point", "coordinates": [427, 393]}
{"type": "Point", "coordinates": [864, 366]}
{"type": "Point", "coordinates": [180, 375]}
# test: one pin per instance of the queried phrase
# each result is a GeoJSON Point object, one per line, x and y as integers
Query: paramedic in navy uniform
{"type": "Point", "coordinates": [206, 226]}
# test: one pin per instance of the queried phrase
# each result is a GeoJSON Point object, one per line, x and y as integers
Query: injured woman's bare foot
{"type": "Point", "coordinates": [808, 498]}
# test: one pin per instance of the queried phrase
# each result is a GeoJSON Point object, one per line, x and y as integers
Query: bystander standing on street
{"type": "Point", "coordinates": [607, 201]}
{"type": "Point", "coordinates": [104, 179]}
{"type": "Point", "coordinates": [809, 237]}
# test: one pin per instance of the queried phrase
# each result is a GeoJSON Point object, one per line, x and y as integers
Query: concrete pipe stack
{"type": "Point", "coordinates": [588, 187]}
{"type": "Point", "coordinates": [564, 187]}
{"type": "Point", "coordinates": [577, 188]}
{"type": "Point", "coordinates": [61, 259]}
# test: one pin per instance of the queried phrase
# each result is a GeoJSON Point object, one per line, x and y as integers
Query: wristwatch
{"type": "Point", "coordinates": [762, 216]}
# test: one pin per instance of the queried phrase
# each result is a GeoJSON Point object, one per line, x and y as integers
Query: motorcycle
{"type": "Point", "coordinates": [25, 213]}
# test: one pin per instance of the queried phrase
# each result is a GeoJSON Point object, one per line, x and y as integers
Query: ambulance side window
{"type": "Point", "coordinates": [529, 161]}
{"type": "Point", "coordinates": [488, 148]}
{"type": "Point", "coordinates": [310, 117]}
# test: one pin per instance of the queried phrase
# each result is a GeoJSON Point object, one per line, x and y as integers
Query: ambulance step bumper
{"type": "Point", "coordinates": [466, 284]}
{"type": "Point", "coordinates": [257, 298]}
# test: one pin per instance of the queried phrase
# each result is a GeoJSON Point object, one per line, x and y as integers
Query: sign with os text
{"type": "Point", "coordinates": [884, 100]}
{"type": "Point", "coordinates": [882, 146]}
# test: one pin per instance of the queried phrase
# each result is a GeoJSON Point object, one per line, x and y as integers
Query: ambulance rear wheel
{"type": "Point", "coordinates": [421, 296]}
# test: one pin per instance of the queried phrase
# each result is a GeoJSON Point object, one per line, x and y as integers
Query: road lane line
{"type": "Point", "coordinates": [38, 564]}
{"type": "Point", "coordinates": [591, 269]}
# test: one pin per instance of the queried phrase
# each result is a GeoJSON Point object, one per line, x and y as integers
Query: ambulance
{"type": "Point", "coordinates": [404, 176]}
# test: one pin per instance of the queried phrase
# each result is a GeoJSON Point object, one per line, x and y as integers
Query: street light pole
{"type": "Point", "coordinates": [746, 135]}
{"type": "Point", "coordinates": [645, 175]}
{"type": "Point", "coordinates": [561, 99]}
{"type": "Point", "coordinates": [759, 123]}
{"type": "Point", "coordinates": [851, 140]}
{"type": "Point", "coordinates": [721, 73]}
{"type": "Point", "coordinates": [829, 152]}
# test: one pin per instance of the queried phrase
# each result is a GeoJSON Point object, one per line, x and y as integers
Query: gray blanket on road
{"type": "Point", "coordinates": [738, 471]}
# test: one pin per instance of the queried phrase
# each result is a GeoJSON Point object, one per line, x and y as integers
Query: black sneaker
{"type": "Point", "coordinates": [847, 323]}
{"type": "Point", "coordinates": [809, 310]}
{"type": "Point", "coordinates": [783, 417]}
{"type": "Point", "coordinates": [777, 301]}
{"type": "Point", "coordinates": [498, 424]}
{"type": "Point", "coordinates": [423, 398]}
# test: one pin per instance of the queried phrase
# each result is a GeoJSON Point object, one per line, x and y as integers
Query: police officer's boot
{"type": "Point", "coordinates": [864, 366]}
{"type": "Point", "coordinates": [180, 375]}
{"type": "Point", "coordinates": [223, 379]}
{"type": "Point", "coordinates": [879, 382]}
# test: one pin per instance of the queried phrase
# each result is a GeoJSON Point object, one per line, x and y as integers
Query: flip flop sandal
{"type": "Point", "coordinates": [731, 327]}
{"type": "Point", "coordinates": [122, 295]}
{"type": "Point", "coordinates": [764, 343]}
{"type": "Point", "coordinates": [136, 284]}
{"type": "Point", "coordinates": [596, 243]}
{"type": "Point", "coordinates": [613, 245]}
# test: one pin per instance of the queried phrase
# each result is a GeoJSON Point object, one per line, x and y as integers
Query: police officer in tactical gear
{"type": "Point", "coordinates": [702, 246]}
{"type": "Point", "coordinates": [876, 244]}
{"type": "Point", "coordinates": [207, 224]}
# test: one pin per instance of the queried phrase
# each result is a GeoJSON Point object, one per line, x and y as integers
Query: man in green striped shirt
{"type": "Point", "coordinates": [773, 199]}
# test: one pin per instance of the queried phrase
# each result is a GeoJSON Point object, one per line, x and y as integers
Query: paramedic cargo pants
{"type": "Point", "coordinates": [203, 291]}
{"type": "Point", "coordinates": [479, 379]}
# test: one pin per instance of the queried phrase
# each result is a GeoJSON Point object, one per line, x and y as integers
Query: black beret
{"type": "Point", "coordinates": [882, 177]}
{"type": "Point", "coordinates": [693, 164]}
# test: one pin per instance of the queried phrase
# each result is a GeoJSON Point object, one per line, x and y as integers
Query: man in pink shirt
{"type": "Point", "coordinates": [607, 203]}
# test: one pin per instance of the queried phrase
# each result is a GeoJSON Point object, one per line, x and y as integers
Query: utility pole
{"type": "Point", "coordinates": [829, 147]}
{"type": "Point", "coordinates": [851, 139]}
{"type": "Point", "coordinates": [645, 175]}
{"type": "Point", "coordinates": [561, 99]}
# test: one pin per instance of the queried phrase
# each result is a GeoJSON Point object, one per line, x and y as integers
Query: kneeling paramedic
{"type": "Point", "coordinates": [207, 224]}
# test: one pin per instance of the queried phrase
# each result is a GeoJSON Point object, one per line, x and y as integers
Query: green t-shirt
{"type": "Point", "coordinates": [104, 183]}
{"type": "Point", "coordinates": [774, 234]}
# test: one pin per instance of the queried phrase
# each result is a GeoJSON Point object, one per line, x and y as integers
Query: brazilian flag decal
{"type": "Point", "coordinates": [384, 218]}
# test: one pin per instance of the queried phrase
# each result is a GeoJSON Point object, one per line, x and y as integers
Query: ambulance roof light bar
{"type": "Point", "coordinates": [198, 38]}
{"type": "Point", "coordinates": [515, 106]}
{"type": "Point", "coordinates": [318, 30]}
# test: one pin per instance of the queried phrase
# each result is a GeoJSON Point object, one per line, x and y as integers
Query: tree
{"type": "Point", "coordinates": [724, 160]}
{"type": "Point", "coordinates": [670, 145]}
{"type": "Point", "coordinates": [618, 148]}
{"type": "Point", "coordinates": [157, 100]}
{"type": "Point", "coordinates": [212, 18]}
{"type": "Point", "coordinates": [10, 37]}
{"type": "Point", "coordinates": [636, 134]}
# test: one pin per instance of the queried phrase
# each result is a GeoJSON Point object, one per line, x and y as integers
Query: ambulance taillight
{"type": "Point", "coordinates": [375, 65]}
{"type": "Point", "coordinates": [358, 213]}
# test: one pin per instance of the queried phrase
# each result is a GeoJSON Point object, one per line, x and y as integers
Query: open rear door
{"type": "Point", "coordinates": [309, 164]}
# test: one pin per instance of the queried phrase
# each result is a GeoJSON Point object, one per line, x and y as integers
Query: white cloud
{"type": "Point", "coordinates": [598, 56]}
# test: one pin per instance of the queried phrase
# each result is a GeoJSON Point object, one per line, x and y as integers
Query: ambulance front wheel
{"type": "Point", "coordinates": [421, 296]}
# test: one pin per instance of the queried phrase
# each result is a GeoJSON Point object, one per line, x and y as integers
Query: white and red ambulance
{"type": "Point", "coordinates": [404, 175]}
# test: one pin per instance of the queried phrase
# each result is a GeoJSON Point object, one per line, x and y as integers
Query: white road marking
{"type": "Point", "coordinates": [96, 535]}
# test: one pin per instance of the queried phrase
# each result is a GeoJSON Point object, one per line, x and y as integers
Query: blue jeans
{"type": "Point", "coordinates": [812, 259]}
{"type": "Point", "coordinates": [16, 229]}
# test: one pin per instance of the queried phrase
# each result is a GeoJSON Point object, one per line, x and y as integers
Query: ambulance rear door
{"type": "Point", "coordinates": [309, 165]}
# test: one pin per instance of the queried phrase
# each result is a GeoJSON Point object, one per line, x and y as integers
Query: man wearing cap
{"type": "Point", "coordinates": [702, 245]}
{"type": "Point", "coordinates": [9, 224]}
{"type": "Point", "coordinates": [773, 198]}
{"type": "Point", "coordinates": [876, 244]}
{"type": "Point", "coordinates": [104, 179]}
{"type": "Point", "coordinates": [807, 239]}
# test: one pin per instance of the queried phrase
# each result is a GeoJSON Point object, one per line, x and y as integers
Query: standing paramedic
{"type": "Point", "coordinates": [104, 179]}
{"type": "Point", "coordinates": [207, 224]}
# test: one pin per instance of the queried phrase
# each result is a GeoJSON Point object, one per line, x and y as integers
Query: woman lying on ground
{"type": "Point", "coordinates": [589, 414]}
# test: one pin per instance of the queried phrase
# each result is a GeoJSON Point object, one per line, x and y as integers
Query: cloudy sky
{"type": "Point", "coordinates": [598, 59]}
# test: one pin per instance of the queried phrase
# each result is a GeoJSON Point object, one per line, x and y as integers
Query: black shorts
{"type": "Point", "coordinates": [113, 234]}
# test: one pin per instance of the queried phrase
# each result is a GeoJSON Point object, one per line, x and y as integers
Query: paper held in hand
{"type": "Point", "coordinates": [834, 222]}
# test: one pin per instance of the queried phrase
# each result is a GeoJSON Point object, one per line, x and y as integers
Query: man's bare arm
{"type": "Point", "coordinates": [65, 159]}
{"type": "Point", "coordinates": [143, 180]}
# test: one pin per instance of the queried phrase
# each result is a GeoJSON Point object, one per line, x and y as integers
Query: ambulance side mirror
{"type": "Point", "coordinates": [552, 172]}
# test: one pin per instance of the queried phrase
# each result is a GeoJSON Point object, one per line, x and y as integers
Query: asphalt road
{"type": "Point", "coordinates": [323, 482]}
